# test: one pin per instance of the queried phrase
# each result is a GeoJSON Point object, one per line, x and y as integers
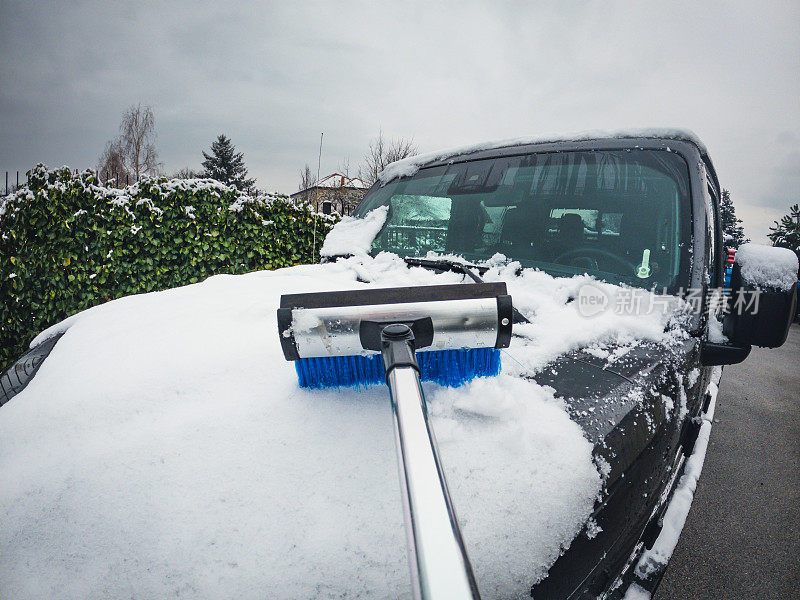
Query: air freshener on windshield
{"type": "Point", "coordinates": [643, 270]}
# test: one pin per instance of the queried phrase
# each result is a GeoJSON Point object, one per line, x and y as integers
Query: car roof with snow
{"type": "Point", "coordinates": [586, 140]}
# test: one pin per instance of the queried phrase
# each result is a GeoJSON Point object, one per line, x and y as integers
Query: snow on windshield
{"type": "Point", "coordinates": [767, 266]}
{"type": "Point", "coordinates": [164, 448]}
{"type": "Point", "coordinates": [354, 235]}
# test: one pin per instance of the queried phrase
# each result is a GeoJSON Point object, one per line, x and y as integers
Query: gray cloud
{"type": "Point", "coordinates": [274, 76]}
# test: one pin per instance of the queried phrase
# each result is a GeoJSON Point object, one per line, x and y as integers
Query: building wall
{"type": "Point", "coordinates": [343, 199]}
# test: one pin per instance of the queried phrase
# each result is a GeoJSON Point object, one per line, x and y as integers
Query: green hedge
{"type": "Point", "coordinates": [68, 243]}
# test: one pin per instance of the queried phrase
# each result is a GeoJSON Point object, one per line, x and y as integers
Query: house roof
{"type": "Point", "coordinates": [339, 180]}
{"type": "Point", "coordinates": [336, 180]}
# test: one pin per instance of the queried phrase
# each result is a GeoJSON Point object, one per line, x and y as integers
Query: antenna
{"type": "Point", "coordinates": [319, 161]}
{"type": "Point", "coordinates": [316, 197]}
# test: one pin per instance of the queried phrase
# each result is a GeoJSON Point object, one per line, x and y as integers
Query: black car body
{"type": "Point", "coordinates": [620, 404]}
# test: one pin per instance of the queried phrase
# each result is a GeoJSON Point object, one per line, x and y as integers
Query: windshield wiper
{"type": "Point", "coordinates": [445, 264]}
{"type": "Point", "coordinates": [455, 266]}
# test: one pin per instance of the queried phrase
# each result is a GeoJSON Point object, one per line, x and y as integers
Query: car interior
{"type": "Point", "coordinates": [612, 214]}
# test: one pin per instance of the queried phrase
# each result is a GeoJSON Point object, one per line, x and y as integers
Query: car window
{"type": "Point", "coordinates": [619, 215]}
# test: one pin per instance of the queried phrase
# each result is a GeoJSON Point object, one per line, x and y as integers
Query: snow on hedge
{"type": "Point", "coordinates": [767, 266]}
{"type": "Point", "coordinates": [165, 449]}
{"type": "Point", "coordinates": [409, 166]}
{"type": "Point", "coordinates": [123, 197]}
{"type": "Point", "coordinates": [103, 243]}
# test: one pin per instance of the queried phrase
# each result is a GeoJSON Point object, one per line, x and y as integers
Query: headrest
{"type": "Point", "coordinates": [634, 229]}
{"type": "Point", "coordinates": [570, 225]}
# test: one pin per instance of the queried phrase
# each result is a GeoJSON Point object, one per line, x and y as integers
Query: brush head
{"type": "Point", "coordinates": [451, 368]}
{"type": "Point", "coordinates": [335, 337]}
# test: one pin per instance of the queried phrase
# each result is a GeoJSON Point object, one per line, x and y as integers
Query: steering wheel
{"type": "Point", "coordinates": [565, 258]}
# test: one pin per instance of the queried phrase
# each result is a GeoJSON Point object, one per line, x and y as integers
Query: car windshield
{"type": "Point", "coordinates": [619, 215]}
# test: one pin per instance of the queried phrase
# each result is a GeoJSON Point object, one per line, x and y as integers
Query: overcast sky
{"type": "Point", "coordinates": [272, 76]}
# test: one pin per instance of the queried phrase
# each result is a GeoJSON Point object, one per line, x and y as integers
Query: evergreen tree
{"type": "Point", "coordinates": [732, 230]}
{"type": "Point", "coordinates": [226, 165]}
{"type": "Point", "coordinates": [786, 234]}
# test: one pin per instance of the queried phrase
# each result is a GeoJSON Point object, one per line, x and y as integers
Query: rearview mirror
{"type": "Point", "coordinates": [713, 354]}
{"type": "Point", "coordinates": [761, 305]}
{"type": "Point", "coordinates": [763, 296]}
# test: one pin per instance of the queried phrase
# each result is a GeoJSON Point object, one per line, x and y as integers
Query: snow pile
{"type": "Point", "coordinates": [409, 166]}
{"type": "Point", "coordinates": [636, 592]}
{"type": "Point", "coordinates": [192, 185]}
{"type": "Point", "coordinates": [557, 325]}
{"type": "Point", "coordinates": [715, 334]}
{"type": "Point", "coordinates": [12, 201]}
{"type": "Point", "coordinates": [156, 189]}
{"type": "Point", "coordinates": [354, 235]}
{"type": "Point", "coordinates": [767, 266]}
{"type": "Point", "coordinates": [3, 204]}
{"type": "Point", "coordinates": [549, 303]}
{"type": "Point", "coordinates": [500, 440]}
{"type": "Point", "coordinates": [165, 449]}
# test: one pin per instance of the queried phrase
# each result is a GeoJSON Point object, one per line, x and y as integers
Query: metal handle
{"type": "Point", "coordinates": [440, 568]}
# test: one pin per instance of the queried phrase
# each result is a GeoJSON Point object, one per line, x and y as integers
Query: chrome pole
{"type": "Point", "coordinates": [440, 568]}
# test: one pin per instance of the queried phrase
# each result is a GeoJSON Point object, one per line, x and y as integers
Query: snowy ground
{"type": "Point", "coordinates": [165, 449]}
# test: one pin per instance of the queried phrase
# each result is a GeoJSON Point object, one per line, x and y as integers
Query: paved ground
{"type": "Point", "coordinates": [742, 537]}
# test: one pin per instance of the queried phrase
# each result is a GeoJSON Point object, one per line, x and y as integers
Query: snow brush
{"type": "Point", "coordinates": [366, 336]}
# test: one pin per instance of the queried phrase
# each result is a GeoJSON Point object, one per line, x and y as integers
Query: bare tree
{"type": "Point", "coordinates": [383, 152]}
{"type": "Point", "coordinates": [187, 173]}
{"type": "Point", "coordinates": [137, 136]}
{"type": "Point", "coordinates": [133, 153]}
{"type": "Point", "coordinates": [345, 168]}
{"type": "Point", "coordinates": [307, 181]}
{"type": "Point", "coordinates": [112, 163]}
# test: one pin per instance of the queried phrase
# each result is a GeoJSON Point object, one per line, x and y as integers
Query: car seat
{"type": "Point", "coordinates": [636, 233]}
{"type": "Point", "coordinates": [569, 235]}
{"type": "Point", "coordinates": [464, 232]}
{"type": "Point", "coordinates": [519, 234]}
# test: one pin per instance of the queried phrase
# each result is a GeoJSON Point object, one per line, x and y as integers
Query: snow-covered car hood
{"type": "Point", "coordinates": [165, 449]}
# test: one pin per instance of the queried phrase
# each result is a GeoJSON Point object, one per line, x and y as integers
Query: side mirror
{"type": "Point", "coordinates": [763, 296]}
{"type": "Point", "coordinates": [713, 354]}
{"type": "Point", "coordinates": [761, 305]}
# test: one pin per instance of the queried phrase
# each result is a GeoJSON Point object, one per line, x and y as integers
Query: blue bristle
{"type": "Point", "coordinates": [447, 367]}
